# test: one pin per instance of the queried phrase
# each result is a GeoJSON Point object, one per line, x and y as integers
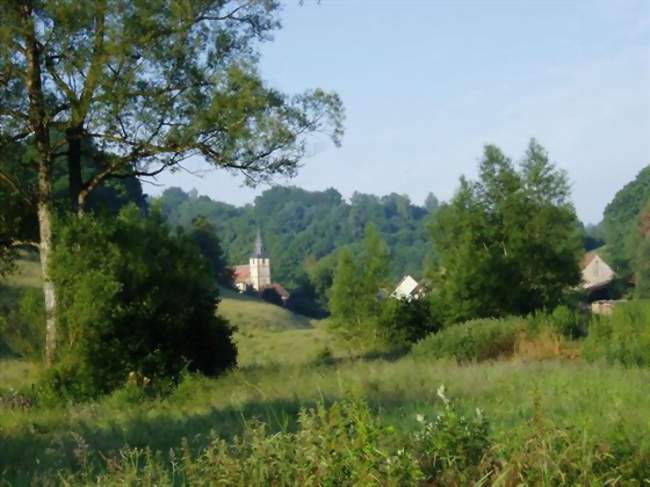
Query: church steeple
{"type": "Point", "coordinates": [258, 252]}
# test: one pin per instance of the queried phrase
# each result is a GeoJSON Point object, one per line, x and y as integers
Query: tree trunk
{"type": "Point", "coordinates": [45, 230]}
{"type": "Point", "coordinates": [39, 126]}
{"type": "Point", "coordinates": [73, 138]}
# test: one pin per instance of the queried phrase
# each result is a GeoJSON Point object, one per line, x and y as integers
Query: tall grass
{"type": "Point", "coordinates": [606, 405]}
{"type": "Point", "coordinates": [623, 337]}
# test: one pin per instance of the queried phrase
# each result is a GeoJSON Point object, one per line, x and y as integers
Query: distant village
{"type": "Point", "coordinates": [256, 277]}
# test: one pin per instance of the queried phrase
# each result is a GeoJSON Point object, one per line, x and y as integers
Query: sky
{"type": "Point", "coordinates": [426, 84]}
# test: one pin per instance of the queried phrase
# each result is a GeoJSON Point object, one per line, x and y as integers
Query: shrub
{"type": "Point", "coordinates": [271, 295]}
{"type": "Point", "coordinates": [474, 340]}
{"type": "Point", "coordinates": [453, 445]}
{"type": "Point", "coordinates": [565, 321]}
{"type": "Point", "coordinates": [343, 445]}
{"type": "Point", "coordinates": [134, 301]}
{"type": "Point", "coordinates": [623, 337]}
{"type": "Point", "coordinates": [404, 321]}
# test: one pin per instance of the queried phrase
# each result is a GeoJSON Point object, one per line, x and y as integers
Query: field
{"type": "Point", "coordinates": [284, 368]}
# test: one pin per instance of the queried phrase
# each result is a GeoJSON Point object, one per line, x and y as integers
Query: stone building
{"type": "Point", "coordinates": [257, 273]}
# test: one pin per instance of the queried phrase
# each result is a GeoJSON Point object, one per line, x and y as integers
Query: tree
{"type": "Point", "coordinates": [134, 298]}
{"type": "Point", "coordinates": [271, 295]}
{"type": "Point", "coordinates": [620, 221]}
{"type": "Point", "coordinates": [355, 297]}
{"type": "Point", "coordinates": [431, 203]}
{"type": "Point", "coordinates": [151, 84]}
{"type": "Point", "coordinates": [509, 242]}
{"type": "Point", "coordinates": [344, 293]}
{"type": "Point", "coordinates": [642, 258]}
{"type": "Point", "coordinates": [204, 234]}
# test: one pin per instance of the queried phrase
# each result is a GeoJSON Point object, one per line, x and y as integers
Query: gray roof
{"type": "Point", "coordinates": [258, 251]}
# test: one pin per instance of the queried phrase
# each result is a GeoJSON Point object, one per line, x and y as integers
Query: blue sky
{"type": "Point", "coordinates": [427, 83]}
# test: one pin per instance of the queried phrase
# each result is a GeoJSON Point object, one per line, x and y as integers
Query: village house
{"type": "Point", "coordinates": [597, 276]}
{"type": "Point", "coordinates": [408, 288]}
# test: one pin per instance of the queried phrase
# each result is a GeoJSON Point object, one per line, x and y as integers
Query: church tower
{"type": "Point", "coordinates": [260, 266]}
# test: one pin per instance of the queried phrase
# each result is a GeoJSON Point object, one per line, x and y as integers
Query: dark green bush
{"type": "Point", "coordinates": [474, 340]}
{"type": "Point", "coordinates": [402, 321]}
{"type": "Point", "coordinates": [623, 337]}
{"type": "Point", "coordinates": [136, 303]}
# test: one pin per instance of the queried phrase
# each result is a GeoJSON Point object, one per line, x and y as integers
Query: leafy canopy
{"type": "Point", "coordinates": [508, 242]}
{"type": "Point", "coordinates": [133, 298]}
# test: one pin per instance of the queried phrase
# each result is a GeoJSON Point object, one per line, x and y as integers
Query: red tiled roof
{"type": "Point", "coordinates": [241, 273]}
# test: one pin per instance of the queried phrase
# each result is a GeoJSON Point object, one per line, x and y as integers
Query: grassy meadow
{"type": "Point", "coordinates": [550, 409]}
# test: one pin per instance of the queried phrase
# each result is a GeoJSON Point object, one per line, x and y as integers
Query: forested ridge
{"type": "Point", "coordinates": [302, 230]}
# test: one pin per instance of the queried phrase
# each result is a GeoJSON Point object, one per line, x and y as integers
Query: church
{"type": "Point", "coordinates": [257, 273]}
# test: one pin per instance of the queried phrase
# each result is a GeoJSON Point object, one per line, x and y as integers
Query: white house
{"type": "Point", "coordinates": [408, 288]}
{"type": "Point", "coordinates": [596, 274]}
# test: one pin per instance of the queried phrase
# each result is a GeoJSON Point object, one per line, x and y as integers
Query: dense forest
{"type": "Point", "coordinates": [302, 230]}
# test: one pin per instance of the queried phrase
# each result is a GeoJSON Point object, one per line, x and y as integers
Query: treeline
{"type": "Point", "coordinates": [508, 243]}
{"type": "Point", "coordinates": [303, 230]}
{"type": "Point", "coordinates": [626, 230]}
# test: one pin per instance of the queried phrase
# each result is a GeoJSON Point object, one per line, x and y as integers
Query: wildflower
{"type": "Point", "coordinates": [419, 418]}
{"type": "Point", "coordinates": [441, 394]}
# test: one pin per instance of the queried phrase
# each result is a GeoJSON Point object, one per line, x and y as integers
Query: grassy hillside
{"type": "Point", "coordinates": [264, 331]}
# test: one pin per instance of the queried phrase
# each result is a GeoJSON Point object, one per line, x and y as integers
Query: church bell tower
{"type": "Point", "coordinates": [260, 266]}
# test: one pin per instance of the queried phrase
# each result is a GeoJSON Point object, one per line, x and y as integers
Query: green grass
{"type": "Point", "coordinates": [603, 402]}
{"type": "Point", "coordinates": [280, 373]}
{"type": "Point", "coordinates": [264, 331]}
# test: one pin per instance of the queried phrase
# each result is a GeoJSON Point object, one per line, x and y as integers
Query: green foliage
{"type": "Point", "coordinates": [642, 270]}
{"type": "Point", "coordinates": [355, 297]}
{"type": "Point", "coordinates": [205, 235]}
{"type": "Point", "coordinates": [402, 322]}
{"type": "Point", "coordinates": [338, 445]}
{"type": "Point", "coordinates": [302, 230]}
{"type": "Point", "coordinates": [452, 446]}
{"type": "Point", "coordinates": [24, 326]}
{"type": "Point", "coordinates": [563, 320]}
{"type": "Point", "coordinates": [187, 82]}
{"type": "Point", "coordinates": [270, 295]}
{"type": "Point", "coordinates": [507, 243]}
{"type": "Point", "coordinates": [620, 220]}
{"type": "Point", "coordinates": [477, 340]}
{"type": "Point", "coordinates": [622, 338]}
{"type": "Point", "coordinates": [134, 299]}
{"type": "Point", "coordinates": [642, 256]}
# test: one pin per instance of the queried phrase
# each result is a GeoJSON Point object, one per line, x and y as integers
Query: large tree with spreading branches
{"type": "Point", "coordinates": [149, 84]}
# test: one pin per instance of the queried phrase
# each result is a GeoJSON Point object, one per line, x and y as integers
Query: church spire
{"type": "Point", "coordinates": [259, 247]}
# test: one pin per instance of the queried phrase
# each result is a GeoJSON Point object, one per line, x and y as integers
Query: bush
{"type": "Point", "coordinates": [624, 337]}
{"type": "Point", "coordinates": [271, 295]}
{"type": "Point", "coordinates": [341, 445]}
{"type": "Point", "coordinates": [404, 321]}
{"type": "Point", "coordinates": [135, 302]}
{"type": "Point", "coordinates": [567, 322]}
{"type": "Point", "coordinates": [452, 446]}
{"type": "Point", "coordinates": [474, 340]}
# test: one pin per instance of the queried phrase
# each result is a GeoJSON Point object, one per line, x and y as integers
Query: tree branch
{"type": "Point", "coordinates": [15, 186]}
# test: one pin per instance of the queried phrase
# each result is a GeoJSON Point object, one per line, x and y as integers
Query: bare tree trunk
{"type": "Point", "coordinates": [39, 126]}
{"type": "Point", "coordinates": [73, 138]}
{"type": "Point", "coordinates": [45, 230]}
